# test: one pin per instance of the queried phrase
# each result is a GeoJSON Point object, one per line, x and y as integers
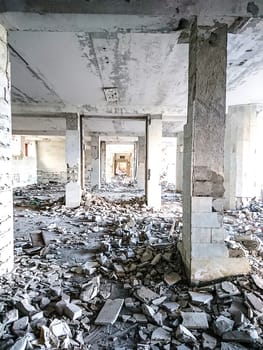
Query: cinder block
{"type": "Point", "coordinates": [209, 250]}
{"type": "Point", "coordinates": [218, 235]}
{"type": "Point", "coordinates": [201, 235]}
{"type": "Point", "coordinates": [202, 204]}
{"type": "Point", "coordinates": [206, 220]}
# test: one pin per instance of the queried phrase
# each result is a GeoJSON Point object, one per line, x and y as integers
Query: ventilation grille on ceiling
{"type": "Point", "coordinates": [111, 94]}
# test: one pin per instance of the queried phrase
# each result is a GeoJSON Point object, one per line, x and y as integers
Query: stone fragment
{"type": "Point", "coordinates": [160, 334]}
{"type": "Point", "coordinates": [222, 325]}
{"type": "Point", "coordinates": [37, 316]}
{"type": "Point", "coordinates": [60, 328]}
{"type": "Point", "coordinates": [256, 302]}
{"type": "Point", "coordinates": [20, 344]}
{"type": "Point", "coordinates": [258, 281]}
{"type": "Point", "coordinates": [172, 278]}
{"type": "Point", "coordinates": [140, 318]}
{"type": "Point", "coordinates": [110, 312]}
{"type": "Point", "coordinates": [159, 301]}
{"type": "Point", "coordinates": [171, 306]}
{"type": "Point", "coordinates": [19, 326]}
{"type": "Point", "coordinates": [195, 320]}
{"type": "Point", "coordinates": [90, 290]}
{"type": "Point", "coordinates": [25, 307]}
{"type": "Point", "coordinates": [232, 346]}
{"type": "Point", "coordinates": [60, 305]}
{"type": "Point", "coordinates": [230, 288]}
{"type": "Point", "coordinates": [10, 316]}
{"type": "Point", "coordinates": [184, 335]}
{"type": "Point", "coordinates": [208, 342]}
{"type": "Point", "coordinates": [200, 298]}
{"type": "Point", "coordinates": [156, 259]}
{"type": "Point", "coordinates": [146, 295]}
{"type": "Point", "coordinates": [239, 337]}
{"type": "Point", "coordinates": [72, 311]}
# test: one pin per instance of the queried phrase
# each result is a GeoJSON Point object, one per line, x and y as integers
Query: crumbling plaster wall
{"type": "Point", "coordinates": [51, 164]}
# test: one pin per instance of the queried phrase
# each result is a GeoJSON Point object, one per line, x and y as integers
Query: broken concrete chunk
{"type": "Point", "coordinates": [239, 337]}
{"type": "Point", "coordinates": [160, 334]}
{"type": "Point", "coordinates": [10, 316]}
{"type": "Point", "coordinates": [90, 290]}
{"type": "Point", "coordinates": [25, 307]}
{"type": "Point", "coordinates": [172, 278]}
{"type": "Point", "coordinates": [230, 288]}
{"type": "Point", "coordinates": [232, 346]}
{"type": "Point", "coordinates": [200, 298]}
{"type": "Point", "coordinates": [195, 320]}
{"type": "Point", "coordinates": [140, 318]}
{"type": "Point", "coordinates": [171, 306]}
{"type": "Point", "coordinates": [146, 295]}
{"type": "Point", "coordinates": [222, 325]}
{"type": "Point", "coordinates": [258, 281]}
{"type": "Point", "coordinates": [19, 326]}
{"type": "Point", "coordinates": [60, 328]}
{"type": "Point", "coordinates": [110, 312]}
{"type": "Point", "coordinates": [184, 335]}
{"type": "Point", "coordinates": [72, 311]}
{"type": "Point", "coordinates": [208, 342]}
{"type": "Point", "coordinates": [256, 302]}
{"type": "Point", "coordinates": [20, 344]}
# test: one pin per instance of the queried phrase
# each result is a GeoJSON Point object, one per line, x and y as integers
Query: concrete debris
{"type": "Point", "coordinates": [108, 275]}
{"type": "Point", "coordinates": [195, 320]}
{"type": "Point", "coordinates": [110, 312]}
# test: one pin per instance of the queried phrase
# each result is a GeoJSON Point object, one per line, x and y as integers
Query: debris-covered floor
{"type": "Point", "coordinates": [108, 276]}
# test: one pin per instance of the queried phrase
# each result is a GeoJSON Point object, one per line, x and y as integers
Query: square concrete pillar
{"type": "Point", "coordinates": [95, 161]}
{"type": "Point", "coordinates": [203, 249]}
{"type": "Point", "coordinates": [179, 161]}
{"type": "Point", "coordinates": [103, 162]}
{"type": "Point", "coordinates": [73, 156]}
{"type": "Point", "coordinates": [154, 149]}
{"type": "Point", "coordinates": [141, 163]}
{"type": "Point", "coordinates": [6, 197]}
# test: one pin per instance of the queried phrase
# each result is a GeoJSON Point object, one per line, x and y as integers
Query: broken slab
{"type": "Point", "coordinates": [160, 334]}
{"type": "Point", "coordinates": [184, 335]}
{"type": "Point", "coordinates": [146, 295]}
{"type": "Point", "coordinates": [195, 320]}
{"type": "Point", "coordinates": [222, 325]}
{"type": "Point", "coordinates": [72, 311]}
{"type": "Point", "coordinates": [172, 278]}
{"type": "Point", "coordinates": [255, 301]}
{"type": "Point", "coordinates": [208, 342]}
{"type": "Point", "coordinates": [110, 312]}
{"type": "Point", "coordinates": [200, 298]}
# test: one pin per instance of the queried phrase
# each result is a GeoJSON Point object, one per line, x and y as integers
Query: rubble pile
{"type": "Point", "coordinates": [108, 275]}
{"type": "Point", "coordinates": [245, 233]}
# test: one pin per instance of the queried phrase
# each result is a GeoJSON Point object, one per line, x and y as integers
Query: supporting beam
{"type": "Point", "coordinates": [154, 140]}
{"type": "Point", "coordinates": [103, 161]}
{"type": "Point", "coordinates": [6, 200]}
{"type": "Point", "coordinates": [73, 156]}
{"type": "Point", "coordinates": [141, 154]}
{"type": "Point", "coordinates": [179, 161]}
{"type": "Point", "coordinates": [203, 249]}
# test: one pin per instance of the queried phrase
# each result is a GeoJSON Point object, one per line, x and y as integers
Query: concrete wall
{"type": "Point", "coordinates": [243, 154]}
{"type": "Point", "coordinates": [24, 171]}
{"type": "Point", "coordinates": [51, 164]}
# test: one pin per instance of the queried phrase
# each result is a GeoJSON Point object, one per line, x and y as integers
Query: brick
{"type": "Point", "coordinates": [218, 235]}
{"type": "Point", "coordinates": [206, 220]}
{"type": "Point", "coordinates": [202, 204]}
{"type": "Point", "coordinates": [209, 250]}
{"type": "Point", "coordinates": [201, 235]}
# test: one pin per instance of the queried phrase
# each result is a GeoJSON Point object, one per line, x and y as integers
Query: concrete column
{"type": "Point", "coordinates": [6, 200]}
{"type": "Point", "coordinates": [95, 161]}
{"type": "Point", "coordinates": [73, 150]}
{"type": "Point", "coordinates": [179, 162]}
{"type": "Point", "coordinates": [243, 154]}
{"type": "Point", "coordinates": [103, 161]}
{"type": "Point", "coordinates": [154, 150]}
{"type": "Point", "coordinates": [141, 163]}
{"type": "Point", "coordinates": [203, 249]}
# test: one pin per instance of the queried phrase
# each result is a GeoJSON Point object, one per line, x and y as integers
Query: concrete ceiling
{"type": "Point", "coordinates": [63, 62]}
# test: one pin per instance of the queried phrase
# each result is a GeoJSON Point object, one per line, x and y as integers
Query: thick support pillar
{"type": "Point", "coordinates": [73, 154]}
{"type": "Point", "coordinates": [103, 161]}
{"type": "Point", "coordinates": [141, 163]}
{"type": "Point", "coordinates": [243, 154]}
{"type": "Point", "coordinates": [95, 161]}
{"type": "Point", "coordinates": [6, 199]}
{"type": "Point", "coordinates": [154, 150]}
{"type": "Point", "coordinates": [179, 162]}
{"type": "Point", "coordinates": [203, 249]}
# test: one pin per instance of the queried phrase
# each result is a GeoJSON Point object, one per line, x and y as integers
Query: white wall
{"type": "Point", "coordinates": [24, 172]}
{"type": "Point", "coordinates": [51, 164]}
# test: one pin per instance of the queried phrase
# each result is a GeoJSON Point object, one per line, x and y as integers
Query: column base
{"type": "Point", "coordinates": [73, 195]}
{"type": "Point", "coordinates": [213, 268]}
